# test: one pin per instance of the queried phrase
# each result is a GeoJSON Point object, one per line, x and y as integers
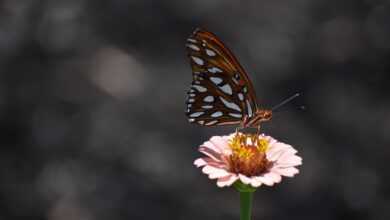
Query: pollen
{"type": "Point", "coordinates": [248, 155]}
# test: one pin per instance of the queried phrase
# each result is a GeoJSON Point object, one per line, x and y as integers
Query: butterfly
{"type": "Point", "coordinates": [221, 92]}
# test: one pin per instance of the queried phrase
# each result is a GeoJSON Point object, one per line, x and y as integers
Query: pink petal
{"type": "Point", "coordinates": [274, 148]}
{"type": "Point", "coordinates": [210, 153]}
{"type": "Point", "coordinates": [210, 169]}
{"type": "Point", "coordinates": [219, 143]}
{"type": "Point", "coordinates": [255, 182]}
{"type": "Point", "coordinates": [244, 179]}
{"type": "Point", "coordinates": [289, 161]}
{"type": "Point", "coordinates": [266, 180]}
{"type": "Point", "coordinates": [219, 174]}
{"type": "Point", "coordinates": [290, 171]}
{"type": "Point", "coordinates": [274, 154]}
{"type": "Point", "coordinates": [208, 161]}
{"type": "Point", "coordinates": [212, 146]}
{"type": "Point", "coordinates": [249, 180]}
{"type": "Point", "coordinates": [274, 176]}
{"type": "Point", "coordinates": [200, 162]}
{"type": "Point", "coordinates": [227, 180]}
{"type": "Point", "coordinates": [279, 150]}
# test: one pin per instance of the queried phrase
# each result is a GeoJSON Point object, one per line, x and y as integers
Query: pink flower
{"type": "Point", "coordinates": [252, 159]}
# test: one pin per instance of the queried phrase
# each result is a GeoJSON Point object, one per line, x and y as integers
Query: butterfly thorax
{"type": "Point", "coordinates": [260, 115]}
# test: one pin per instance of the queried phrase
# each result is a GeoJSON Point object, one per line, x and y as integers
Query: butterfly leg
{"type": "Point", "coordinates": [238, 129]}
{"type": "Point", "coordinates": [258, 130]}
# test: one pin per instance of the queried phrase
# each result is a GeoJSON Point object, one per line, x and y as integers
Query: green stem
{"type": "Point", "coordinates": [246, 205]}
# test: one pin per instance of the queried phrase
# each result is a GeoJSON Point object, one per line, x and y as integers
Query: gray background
{"type": "Point", "coordinates": [92, 107]}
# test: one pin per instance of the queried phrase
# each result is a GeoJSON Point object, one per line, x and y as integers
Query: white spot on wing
{"type": "Point", "coordinates": [217, 114]}
{"type": "Point", "coordinates": [210, 52]}
{"type": "Point", "coordinates": [226, 89]}
{"type": "Point", "coordinates": [229, 123]}
{"type": "Point", "coordinates": [208, 98]}
{"type": "Point", "coordinates": [197, 60]}
{"type": "Point", "coordinates": [235, 115]}
{"type": "Point", "coordinates": [250, 112]}
{"type": "Point", "coordinates": [201, 122]}
{"type": "Point", "coordinates": [192, 95]}
{"type": "Point", "coordinates": [191, 119]}
{"type": "Point", "coordinates": [196, 114]}
{"type": "Point", "coordinates": [211, 122]}
{"type": "Point", "coordinates": [240, 96]}
{"type": "Point", "coordinates": [191, 100]}
{"type": "Point", "coordinates": [207, 106]}
{"type": "Point", "coordinates": [216, 80]}
{"type": "Point", "coordinates": [193, 47]}
{"type": "Point", "coordinates": [235, 80]}
{"type": "Point", "coordinates": [214, 70]}
{"type": "Point", "coordinates": [192, 40]}
{"type": "Point", "coordinates": [199, 88]}
{"type": "Point", "coordinates": [230, 105]}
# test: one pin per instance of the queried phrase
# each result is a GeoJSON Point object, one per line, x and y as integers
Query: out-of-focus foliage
{"type": "Point", "coordinates": [92, 107]}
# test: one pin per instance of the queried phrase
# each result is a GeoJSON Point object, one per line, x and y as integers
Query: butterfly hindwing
{"type": "Point", "coordinates": [221, 92]}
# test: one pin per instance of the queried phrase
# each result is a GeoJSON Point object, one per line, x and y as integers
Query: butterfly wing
{"type": "Point", "coordinates": [221, 92]}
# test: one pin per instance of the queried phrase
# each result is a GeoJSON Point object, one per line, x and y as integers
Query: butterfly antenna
{"type": "Point", "coordinates": [285, 101]}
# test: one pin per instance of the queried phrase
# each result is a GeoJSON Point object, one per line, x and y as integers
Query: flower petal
{"type": "Point", "coordinates": [279, 150]}
{"type": "Point", "coordinates": [274, 155]}
{"type": "Point", "coordinates": [274, 176]}
{"type": "Point", "coordinates": [200, 162]}
{"type": "Point", "coordinates": [210, 153]}
{"type": "Point", "coordinates": [275, 151]}
{"type": "Point", "coordinates": [289, 161]}
{"type": "Point", "coordinates": [210, 169]}
{"type": "Point", "coordinates": [219, 174]}
{"type": "Point", "coordinates": [220, 143]}
{"type": "Point", "coordinates": [227, 180]}
{"type": "Point", "coordinates": [211, 145]}
{"type": "Point", "coordinates": [244, 179]}
{"type": "Point", "coordinates": [289, 172]}
{"type": "Point", "coordinates": [267, 180]}
{"type": "Point", "coordinates": [256, 183]}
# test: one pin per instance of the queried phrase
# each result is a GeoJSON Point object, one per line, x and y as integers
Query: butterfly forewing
{"type": "Point", "coordinates": [221, 92]}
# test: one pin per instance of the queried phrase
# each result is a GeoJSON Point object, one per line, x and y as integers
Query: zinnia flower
{"type": "Point", "coordinates": [252, 159]}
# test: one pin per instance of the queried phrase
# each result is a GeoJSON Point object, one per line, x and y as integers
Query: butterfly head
{"type": "Point", "coordinates": [264, 115]}
{"type": "Point", "coordinates": [261, 115]}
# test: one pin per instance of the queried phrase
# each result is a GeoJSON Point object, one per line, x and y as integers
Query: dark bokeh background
{"type": "Point", "coordinates": [92, 107]}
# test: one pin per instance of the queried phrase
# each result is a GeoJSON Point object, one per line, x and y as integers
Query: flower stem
{"type": "Point", "coordinates": [246, 205]}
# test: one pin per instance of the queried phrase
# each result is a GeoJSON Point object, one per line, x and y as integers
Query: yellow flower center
{"type": "Point", "coordinates": [248, 154]}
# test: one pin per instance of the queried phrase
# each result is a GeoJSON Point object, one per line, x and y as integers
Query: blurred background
{"type": "Point", "coordinates": [92, 107]}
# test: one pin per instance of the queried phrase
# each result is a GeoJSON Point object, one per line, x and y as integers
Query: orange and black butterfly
{"type": "Point", "coordinates": [221, 92]}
